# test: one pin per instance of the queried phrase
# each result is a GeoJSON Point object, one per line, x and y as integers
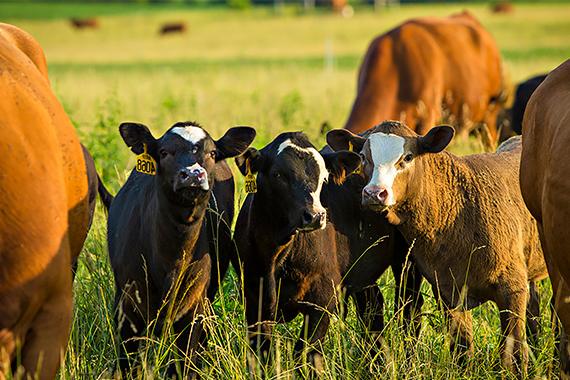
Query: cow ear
{"type": "Point", "coordinates": [252, 158]}
{"type": "Point", "coordinates": [341, 164]}
{"type": "Point", "coordinates": [234, 142]}
{"type": "Point", "coordinates": [436, 139]}
{"type": "Point", "coordinates": [136, 136]}
{"type": "Point", "coordinates": [343, 139]}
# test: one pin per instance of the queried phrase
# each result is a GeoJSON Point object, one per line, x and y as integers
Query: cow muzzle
{"type": "Point", "coordinates": [376, 197]}
{"type": "Point", "coordinates": [311, 221]}
{"type": "Point", "coordinates": [194, 176]}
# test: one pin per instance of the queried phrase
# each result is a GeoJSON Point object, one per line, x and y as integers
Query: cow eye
{"type": "Point", "coordinates": [163, 154]}
{"type": "Point", "coordinates": [195, 149]}
{"type": "Point", "coordinates": [213, 154]}
{"type": "Point", "coordinates": [408, 157]}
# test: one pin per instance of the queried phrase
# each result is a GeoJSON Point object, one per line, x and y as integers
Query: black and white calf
{"type": "Point", "coordinates": [168, 249]}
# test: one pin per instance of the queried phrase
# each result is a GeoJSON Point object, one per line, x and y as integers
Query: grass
{"type": "Point", "coordinates": [276, 71]}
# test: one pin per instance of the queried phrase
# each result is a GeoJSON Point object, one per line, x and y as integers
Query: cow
{"type": "Point", "coordinates": [295, 253]}
{"type": "Point", "coordinates": [545, 185]}
{"type": "Point", "coordinates": [425, 65]}
{"type": "Point", "coordinates": [45, 211]}
{"type": "Point", "coordinates": [160, 236]}
{"type": "Point", "coordinates": [172, 28]}
{"type": "Point", "coordinates": [502, 7]}
{"type": "Point", "coordinates": [474, 240]}
{"type": "Point", "coordinates": [84, 23]}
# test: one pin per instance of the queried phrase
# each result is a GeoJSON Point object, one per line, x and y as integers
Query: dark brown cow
{"type": "Point", "coordinates": [427, 65]}
{"type": "Point", "coordinates": [84, 23]}
{"type": "Point", "coordinates": [44, 207]}
{"type": "Point", "coordinates": [502, 7]}
{"type": "Point", "coordinates": [172, 28]}
{"type": "Point", "coordinates": [165, 248]}
{"type": "Point", "coordinates": [296, 254]}
{"type": "Point", "coordinates": [545, 185]}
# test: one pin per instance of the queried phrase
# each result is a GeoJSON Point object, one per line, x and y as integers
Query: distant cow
{"type": "Point", "coordinates": [502, 7]}
{"type": "Point", "coordinates": [84, 23]}
{"type": "Point", "coordinates": [545, 185]}
{"type": "Point", "coordinates": [522, 96]}
{"type": "Point", "coordinates": [163, 244]}
{"type": "Point", "coordinates": [173, 27]}
{"type": "Point", "coordinates": [45, 211]}
{"type": "Point", "coordinates": [427, 65]}
{"type": "Point", "coordinates": [473, 238]}
{"type": "Point", "coordinates": [296, 253]}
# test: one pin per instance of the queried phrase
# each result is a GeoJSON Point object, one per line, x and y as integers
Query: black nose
{"type": "Point", "coordinates": [312, 220]}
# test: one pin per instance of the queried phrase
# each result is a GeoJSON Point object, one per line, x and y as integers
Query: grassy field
{"type": "Point", "coordinates": [275, 71]}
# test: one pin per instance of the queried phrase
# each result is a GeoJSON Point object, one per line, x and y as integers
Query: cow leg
{"type": "Point", "coordinates": [514, 355]}
{"type": "Point", "coordinates": [370, 308]}
{"type": "Point", "coordinates": [461, 331]}
{"type": "Point", "coordinates": [50, 329]}
{"type": "Point", "coordinates": [314, 330]}
{"type": "Point", "coordinates": [190, 336]}
{"type": "Point", "coordinates": [533, 313]}
{"type": "Point", "coordinates": [130, 327]}
{"type": "Point", "coordinates": [561, 298]}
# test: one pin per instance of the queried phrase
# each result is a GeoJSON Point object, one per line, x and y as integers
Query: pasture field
{"type": "Point", "coordinates": [277, 71]}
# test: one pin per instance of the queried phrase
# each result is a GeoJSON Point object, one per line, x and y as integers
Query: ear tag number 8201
{"type": "Point", "coordinates": [358, 170]}
{"type": "Point", "coordinates": [250, 182]}
{"type": "Point", "coordinates": [145, 163]}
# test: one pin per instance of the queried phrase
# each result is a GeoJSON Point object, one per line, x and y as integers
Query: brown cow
{"type": "Point", "coordinates": [545, 185]}
{"type": "Point", "coordinates": [172, 27]}
{"type": "Point", "coordinates": [44, 206]}
{"type": "Point", "coordinates": [84, 23]}
{"type": "Point", "coordinates": [502, 7]}
{"type": "Point", "coordinates": [473, 238]}
{"type": "Point", "coordinates": [425, 65]}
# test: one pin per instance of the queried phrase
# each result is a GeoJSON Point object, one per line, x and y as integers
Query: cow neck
{"type": "Point", "coordinates": [445, 185]}
{"type": "Point", "coordinates": [178, 226]}
{"type": "Point", "coordinates": [265, 228]}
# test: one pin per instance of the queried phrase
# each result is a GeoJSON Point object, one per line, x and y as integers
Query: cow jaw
{"type": "Point", "coordinates": [386, 150]}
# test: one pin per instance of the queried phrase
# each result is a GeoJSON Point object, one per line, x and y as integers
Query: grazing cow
{"type": "Point", "coordinates": [172, 28]}
{"type": "Point", "coordinates": [296, 253]}
{"type": "Point", "coordinates": [545, 185]}
{"type": "Point", "coordinates": [160, 240]}
{"type": "Point", "coordinates": [474, 240]}
{"type": "Point", "coordinates": [44, 207]}
{"type": "Point", "coordinates": [84, 23]}
{"type": "Point", "coordinates": [425, 65]}
{"type": "Point", "coordinates": [502, 7]}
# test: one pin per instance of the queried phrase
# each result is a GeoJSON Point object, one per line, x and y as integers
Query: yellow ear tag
{"type": "Point", "coordinates": [250, 182]}
{"type": "Point", "coordinates": [145, 163]}
{"type": "Point", "coordinates": [358, 170]}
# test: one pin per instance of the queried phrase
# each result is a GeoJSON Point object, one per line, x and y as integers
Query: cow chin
{"type": "Point", "coordinates": [190, 195]}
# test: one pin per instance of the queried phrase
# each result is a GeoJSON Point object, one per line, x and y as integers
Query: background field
{"type": "Point", "coordinates": [275, 71]}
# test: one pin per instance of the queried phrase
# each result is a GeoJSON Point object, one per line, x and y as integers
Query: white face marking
{"type": "Point", "coordinates": [323, 172]}
{"type": "Point", "coordinates": [197, 169]}
{"type": "Point", "coordinates": [190, 133]}
{"type": "Point", "coordinates": [386, 151]}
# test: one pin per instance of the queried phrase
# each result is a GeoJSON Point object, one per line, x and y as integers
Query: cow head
{"type": "Point", "coordinates": [391, 155]}
{"type": "Point", "coordinates": [290, 176]}
{"type": "Point", "coordinates": [186, 155]}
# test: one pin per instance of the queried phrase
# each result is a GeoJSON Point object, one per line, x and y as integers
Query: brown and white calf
{"type": "Point", "coordinates": [474, 240]}
{"type": "Point", "coordinates": [164, 248]}
{"type": "Point", "coordinates": [296, 253]}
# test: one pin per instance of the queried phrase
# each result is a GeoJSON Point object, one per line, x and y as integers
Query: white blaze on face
{"type": "Point", "coordinates": [190, 133]}
{"type": "Point", "coordinates": [323, 172]}
{"type": "Point", "coordinates": [386, 151]}
{"type": "Point", "coordinates": [201, 173]}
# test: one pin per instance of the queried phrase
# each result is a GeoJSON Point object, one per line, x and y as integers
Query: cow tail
{"type": "Point", "coordinates": [104, 195]}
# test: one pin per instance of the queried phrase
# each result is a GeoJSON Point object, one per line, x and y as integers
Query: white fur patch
{"type": "Point", "coordinates": [196, 169]}
{"type": "Point", "coordinates": [323, 172]}
{"type": "Point", "coordinates": [386, 150]}
{"type": "Point", "coordinates": [190, 133]}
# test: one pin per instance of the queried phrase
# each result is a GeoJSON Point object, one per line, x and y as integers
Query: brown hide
{"type": "Point", "coordinates": [43, 205]}
{"type": "Point", "coordinates": [545, 185]}
{"type": "Point", "coordinates": [425, 65]}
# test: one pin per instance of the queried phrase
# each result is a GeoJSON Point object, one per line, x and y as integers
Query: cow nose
{"type": "Point", "coordinates": [193, 176]}
{"type": "Point", "coordinates": [313, 220]}
{"type": "Point", "coordinates": [375, 194]}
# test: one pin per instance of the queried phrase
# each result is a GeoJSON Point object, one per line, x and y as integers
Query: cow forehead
{"type": "Point", "coordinates": [190, 133]}
{"type": "Point", "coordinates": [386, 148]}
{"type": "Point", "coordinates": [311, 152]}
